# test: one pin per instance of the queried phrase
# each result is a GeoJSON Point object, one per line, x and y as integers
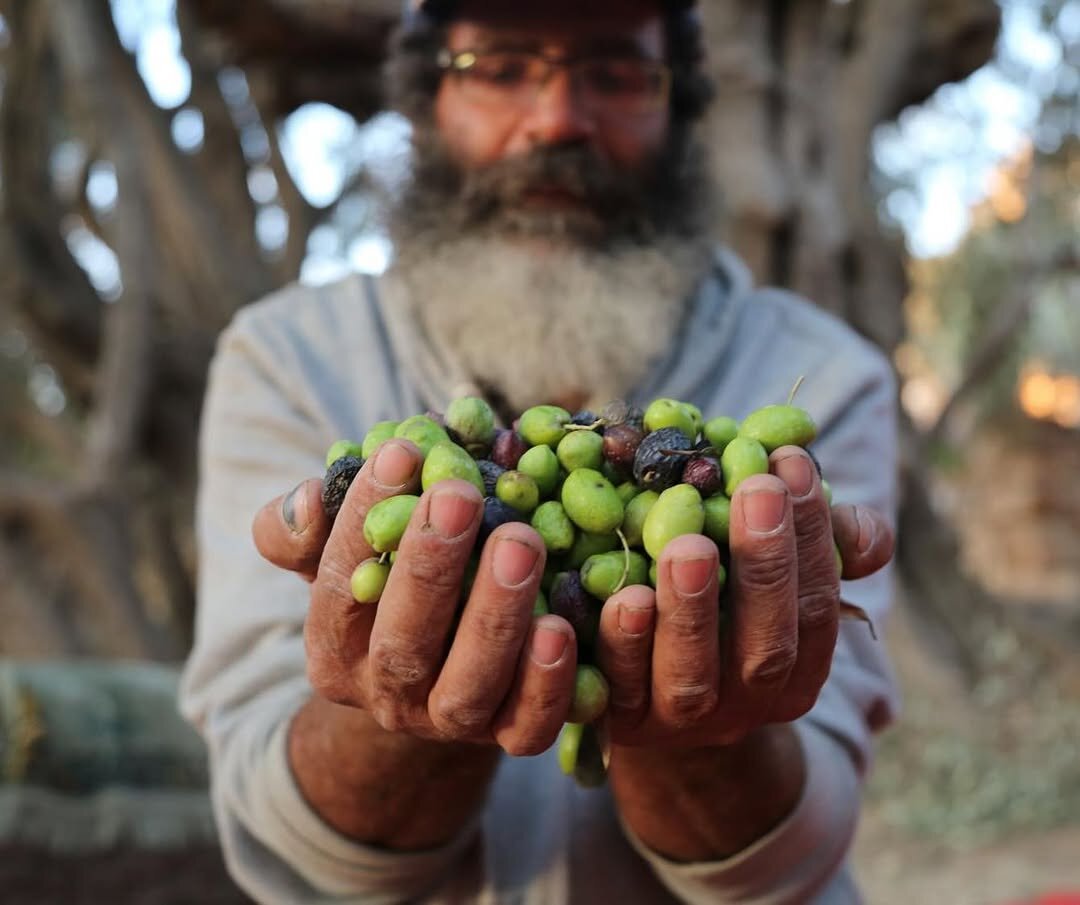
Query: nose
{"type": "Point", "coordinates": [558, 116]}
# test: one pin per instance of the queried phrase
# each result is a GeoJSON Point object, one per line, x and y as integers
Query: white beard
{"type": "Point", "coordinates": [552, 323]}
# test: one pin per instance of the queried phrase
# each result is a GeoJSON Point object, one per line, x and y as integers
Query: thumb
{"type": "Point", "coordinates": [291, 530]}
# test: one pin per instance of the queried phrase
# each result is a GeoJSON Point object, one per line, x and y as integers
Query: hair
{"type": "Point", "coordinates": [412, 76]}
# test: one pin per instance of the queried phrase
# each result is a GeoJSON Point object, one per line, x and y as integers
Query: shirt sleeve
{"type": "Point", "coordinates": [246, 675]}
{"type": "Point", "coordinates": [804, 859]}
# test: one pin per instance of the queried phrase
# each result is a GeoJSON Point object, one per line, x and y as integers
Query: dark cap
{"type": "Point", "coordinates": [445, 9]}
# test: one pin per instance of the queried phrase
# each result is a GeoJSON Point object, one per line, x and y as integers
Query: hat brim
{"type": "Point", "coordinates": [445, 9]}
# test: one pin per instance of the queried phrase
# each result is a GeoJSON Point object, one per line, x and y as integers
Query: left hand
{"type": "Point", "coordinates": [680, 680]}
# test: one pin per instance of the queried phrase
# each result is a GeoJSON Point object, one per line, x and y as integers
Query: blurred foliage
{"type": "Point", "coordinates": [1006, 302]}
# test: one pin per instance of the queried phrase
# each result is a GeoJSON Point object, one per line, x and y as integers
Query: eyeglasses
{"type": "Point", "coordinates": [622, 85]}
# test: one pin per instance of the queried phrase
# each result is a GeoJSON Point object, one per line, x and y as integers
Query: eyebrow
{"type": "Point", "coordinates": [602, 45]}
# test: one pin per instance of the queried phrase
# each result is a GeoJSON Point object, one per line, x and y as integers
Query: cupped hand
{"type": "Point", "coordinates": [419, 663]}
{"type": "Point", "coordinates": [682, 673]}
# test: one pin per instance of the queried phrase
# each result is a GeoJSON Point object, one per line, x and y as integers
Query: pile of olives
{"type": "Point", "coordinates": [606, 491]}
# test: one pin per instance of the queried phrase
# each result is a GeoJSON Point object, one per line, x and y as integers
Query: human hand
{"type": "Point", "coordinates": [680, 680]}
{"type": "Point", "coordinates": [496, 675]}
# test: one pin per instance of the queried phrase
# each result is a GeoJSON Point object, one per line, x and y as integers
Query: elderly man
{"type": "Point", "coordinates": [552, 246]}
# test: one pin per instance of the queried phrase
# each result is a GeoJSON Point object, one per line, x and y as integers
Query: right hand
{"type": "Point", "coordinates": [496, 676]}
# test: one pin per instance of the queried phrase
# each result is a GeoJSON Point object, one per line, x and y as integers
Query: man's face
{"type": "Point", "coordinates": [555, 225]}
{"type": "Point", "coordinates": [481, 127]}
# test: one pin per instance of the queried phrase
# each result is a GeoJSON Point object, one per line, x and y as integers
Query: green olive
{"type": "Point", "coordinates": [743, 457]}
{"type": "Point", "coordinates": [423, 431]}
{"type": "Point", "coordinates": [591, 695]}
{"type": "Point", "coordinates": [472, 419]}
{"type": "Point", "coordinates": [679, 511]}
{"type": "Point", "coordinates": [518, 491]}
{"type": "Point", "coordinates": [553, 525]}
{"type": "Point", "coordinates": [569, 745]}
{"type": "Point", "coordinates": [670, 413]}
{"type": "Point", "coordinates": [448, 460]}
{"type": "Point", "coordinates": [636, 511]}
{"type": "Point", "coordinates": [380, 432]}
{"type": "Point", "coordinates": [387, 520]}
{"type": "Point", "coordinates": [592, 502]}
{"type": "Point", "coordinates": [602, 574]}
{"type": "Point", "coordinates": [779, 425]}
{"type": "Point", "coordinates": [544, 425]}
{"type": "Point", "coordinates": [369, 581]}
{"type": "Point", "coordinates": [581, 449]}
{"type": "Point", "coordinates": [343, 448]}
{"type": "Point", "coordinates": [586, 545]}
{"type": "Point", "coordinates": [542, 465]}
{"type": "Point", "coordinates": [718, 519]}
{"type": "Point", "coordinates": [719, 432]}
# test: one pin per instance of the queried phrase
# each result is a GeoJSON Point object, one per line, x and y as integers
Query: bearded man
{"type": "Point", "coordinates": [553, 245]}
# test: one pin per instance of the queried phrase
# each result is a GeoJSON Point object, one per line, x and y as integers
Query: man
{"type": "Point", "coordinates": [552, 246]}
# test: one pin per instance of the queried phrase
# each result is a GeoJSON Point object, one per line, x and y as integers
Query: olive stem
{"type": "Point", "coordinates": [586, 427]}
{"type": "Point", "coordinates": [626, 562]}
{"type": "Point", "coordinates": [795, 389]}
{"type": "Point", "coordinates": [384, 558]}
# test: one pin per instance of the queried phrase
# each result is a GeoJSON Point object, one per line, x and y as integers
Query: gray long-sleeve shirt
{"type": "Point", "coordinates": [310, 366]}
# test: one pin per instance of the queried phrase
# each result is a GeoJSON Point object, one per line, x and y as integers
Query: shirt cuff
{"type": "Point", "coordinates": [794, 862]}
{"type": "Point", "coordinates": [331, 862]}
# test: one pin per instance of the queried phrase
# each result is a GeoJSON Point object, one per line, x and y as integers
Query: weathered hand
{"type": "Point", "coordinates": [496, 675]}
{"type": "Point", "coordinates": [678, 678]}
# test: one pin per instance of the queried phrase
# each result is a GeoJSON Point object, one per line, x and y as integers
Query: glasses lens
{"type": "Point", "coordinates": [622, 85]}
{"type": "Point", "coordinates": [623, 82]}
{"type": "Point", "coordinates": [500, 76]}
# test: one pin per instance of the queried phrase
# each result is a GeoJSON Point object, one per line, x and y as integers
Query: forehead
{"type": "Point", "coordinates": [629, 25]}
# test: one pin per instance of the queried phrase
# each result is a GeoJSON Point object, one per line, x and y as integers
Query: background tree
{"type": "Point", "coordinates": [97, 457]}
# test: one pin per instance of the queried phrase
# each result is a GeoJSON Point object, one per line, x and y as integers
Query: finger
{"type": "Point", "coordinates": [291, 530]}
{"type": "Point", "coordinates": [416, 611]}
{"type": "Point", "coordinates": [529, 721]}
{"type": "Point", "coordinates": [818, 583]}
{"type": "Point", "coordinates": [624, 649]}
{"type": "Point", "coordinates": [337, 630]}
{"type": "Point", "coordinates": [865, 538]}
{"type": "Point", "coordinates": [686, 648]}
{"type": "Point", "coordinates": [487, 645]}
{"type": "Point", "coordinates": [764, 619]}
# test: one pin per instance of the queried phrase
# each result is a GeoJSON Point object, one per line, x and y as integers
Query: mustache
{"type": "Point", "coordinates": [574, 170]}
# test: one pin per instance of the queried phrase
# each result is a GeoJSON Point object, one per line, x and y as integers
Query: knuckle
{"type": "Point", "coordinates": [396, 667]}
{"type": "Point", "coordinates": [438, 576]}
{"type": "Point", "coordinates": [765, 574]}
{"type": "Point", "coordinates": [503, 629]}
{"type": "Point", "coordinates": [685, 704]}
{"type": "Point", "coordinates": [770, 667]}
{"type": "Point", "coordinates": [819, 610]}
{"type": "Point", "coordinates": [459, 718]}
{"type": "Point", "coordinates": [691, 618]}
{"type": "Point", "coordinates": [529, 744]}
{"type": "Point", "coordinates": [326, 683]}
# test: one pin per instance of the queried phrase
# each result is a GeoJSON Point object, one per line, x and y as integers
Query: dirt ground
{"type": "Point", "coordinates": [972, 802]}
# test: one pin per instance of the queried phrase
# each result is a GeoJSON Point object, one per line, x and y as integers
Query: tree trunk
{"type": "Point", "coordinates": [802, 85]}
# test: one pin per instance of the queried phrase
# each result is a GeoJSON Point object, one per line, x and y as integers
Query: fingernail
{"type": "Point", "coordinates": [394, 466]}
{"type": "Point", "coordinates": [514, 562]}
{"type": "Point", "coordinates": [797, 472]}
{"type": "Point", "coordinates": [451, 514]}
{"type": "Point", "coordinates": [294, 510]}
{"type": "Point", "coordinates": [764, 511]}
{"type": "Point", "coordinates": [867, 529]}
{"type": "Point", "coordinates": [691, 576]}
{"type": "Point", "coordinates": [635, 621]}
{"type": "Point", "coordinates": [548, 645]}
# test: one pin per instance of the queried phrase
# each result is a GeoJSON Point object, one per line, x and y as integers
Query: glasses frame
{"type": "Point", "coordinates": [459, 62]}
